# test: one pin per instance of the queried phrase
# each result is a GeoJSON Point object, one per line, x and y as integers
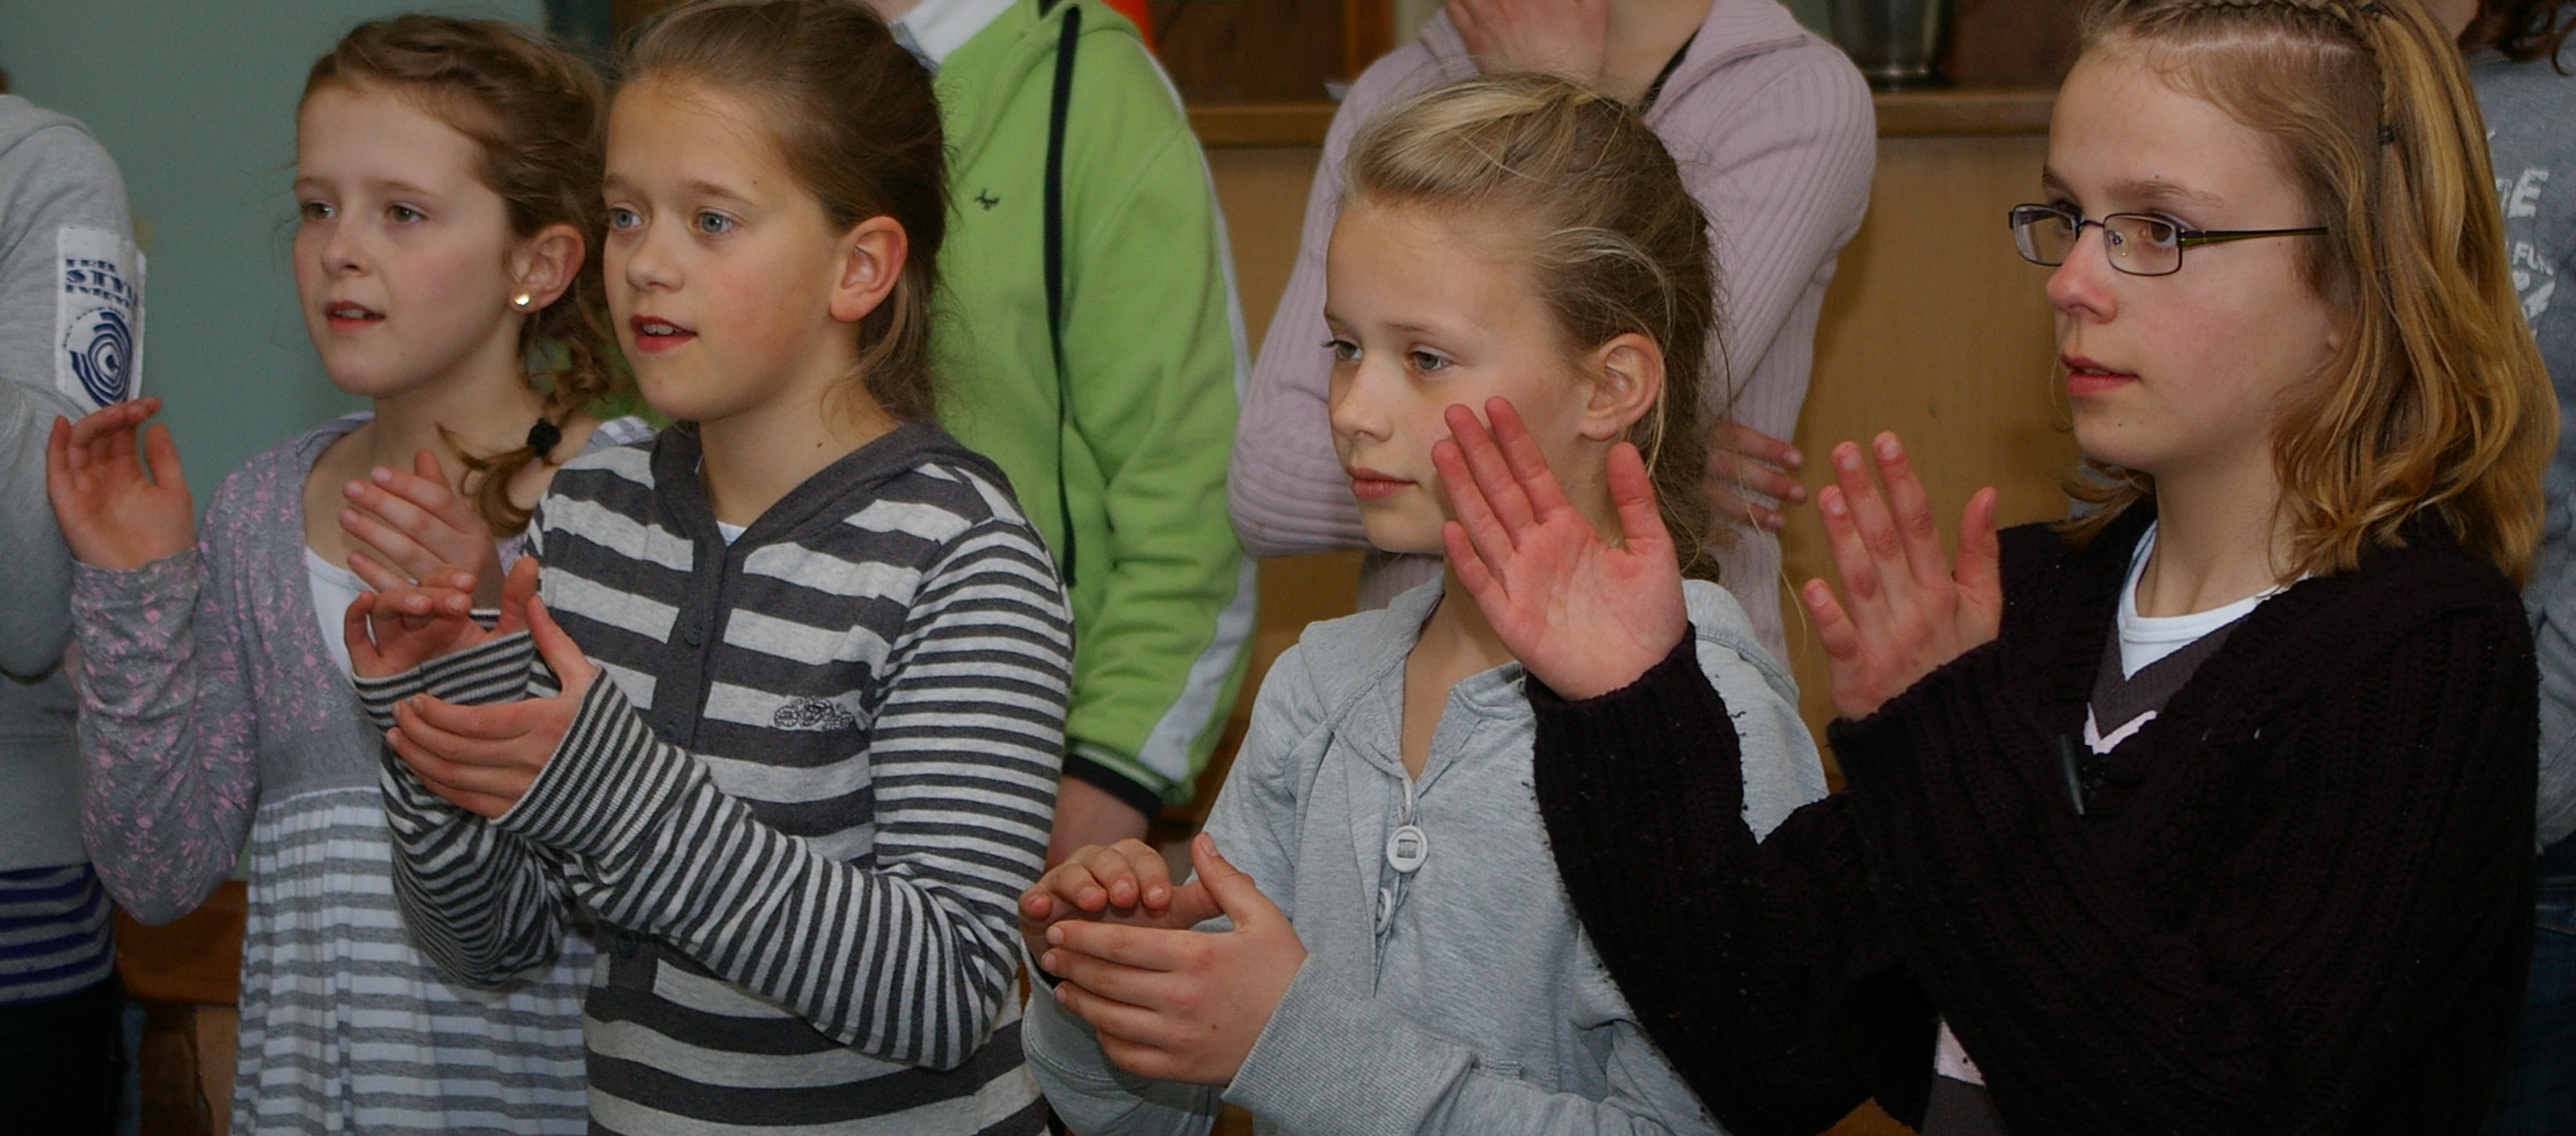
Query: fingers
{"type": "Point", "coordinates": [161, 455]}
{"type": "Point", "coordinates": [472, 733]}
{"type": "Point", "coordinates": [1145, 948]}
{"type": "Point", "coordinates": [1632, 493]}
{"type": "Point", "coordinates": [1735, 440]}
{"type": "Point", "coordinates": [1911, 511]}
{"type": "Point", "coordinates": [1833, 627]}
{"type": "Point", "coordinates": [1980, 571]}
{"type": "Point", "coordinates": [1853, 565]}
{"type": "Point", "coordinates": [1483, 533]}
{"type": "Point", "coordinates": [572, 668]}
{"type": "Point", "coordinates": [1530, 472]}
{"type": "Point", "coordinates": [1480, 582]}
{"type": "Point", "coordinates": [353, 632]}
{"type": "Point", "coordinates": [482, 789]}
{"type": "Point", "coordinates": [1114, 1019]}
{"type": "Point", "coordinates": [1127, 985]}
{"type": "Point", "coordinates": [1725, 504]}
{"type": "Point", "coordinates": [1490, 472]}
{"type": "Point", "coordinates": [1234, 892]}
{"type": "Point", "coordinates": [517, 589]}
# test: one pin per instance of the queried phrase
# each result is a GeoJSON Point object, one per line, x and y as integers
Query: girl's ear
{"type": "Point", "coordinates": [544, 266]}
{"type": "Point", "coordinates": [872, 255]}
{"type": "Point", "coordinates": [1627, 381]}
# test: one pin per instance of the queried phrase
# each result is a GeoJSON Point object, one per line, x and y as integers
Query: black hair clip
{"type": "Point", "coordinates": [2387, 135]}
{"type": "Point", "coordinates": [2372, 9]}
{"type": "Point", "coordinates": [543, 437]}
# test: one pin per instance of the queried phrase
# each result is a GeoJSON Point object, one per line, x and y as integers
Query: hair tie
{"type": "Point", "coordinates": [2372, 8]}
{"type": "Point", "coordinates": [543, 436]}
{"type": "Point", "coordinates": [2387, 135]}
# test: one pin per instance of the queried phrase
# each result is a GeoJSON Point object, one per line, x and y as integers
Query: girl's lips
{"type": "Point", "coordinates": [1373, 486]}
{"type": "Point", "coordinates": [2084, 382]}
{"type": "Point", "coordinates": [351, 317]}
{"type": "Point", "coordinates": [653, 333]}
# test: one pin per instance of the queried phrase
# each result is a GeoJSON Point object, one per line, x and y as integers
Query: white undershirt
{"type": "Point", "coordinates": [334, 589]}
{"type": "Point", "coordinates": [729, 532]}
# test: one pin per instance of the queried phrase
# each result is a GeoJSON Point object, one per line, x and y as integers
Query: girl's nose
{"type": "Point", "coordinates": [648, 267]}
{"type": "Point", "coordinates": [340, 253]}
{"type": "Point", "coordinates": [1354, 402]}
{"type": "Point", "coordinates": [2082, 286]}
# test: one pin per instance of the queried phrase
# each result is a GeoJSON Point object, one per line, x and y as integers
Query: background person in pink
{"type": "Point", "coordinates": [1774, 134]}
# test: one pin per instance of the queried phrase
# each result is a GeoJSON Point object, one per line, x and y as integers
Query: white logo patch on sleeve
{"type": "Point", "coordinates": [98, 317]}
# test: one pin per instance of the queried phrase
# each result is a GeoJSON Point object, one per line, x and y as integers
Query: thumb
{"type": "Point", "coordinates": [162, 455]}
{"type": "Point", "coordinates": [1235, 893]}
{"type": "Point", "coordinates": [517, 588]}
{"type": "Point", "coordinates": [425, 464]}
{"type": "Point", "coordinates": [562, 655]}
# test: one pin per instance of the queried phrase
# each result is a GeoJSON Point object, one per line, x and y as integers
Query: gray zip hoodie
{"type": "Point", "coordinates": [1475, 1006]}
{"type": "Point", "coordinates": [59, 192]}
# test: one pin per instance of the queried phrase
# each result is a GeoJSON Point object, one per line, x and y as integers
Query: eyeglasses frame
{"type": "Point", "coordinates": [2183, 238]}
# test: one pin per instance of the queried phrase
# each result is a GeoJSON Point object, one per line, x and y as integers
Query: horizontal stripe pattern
{"type": "Point", "coordinates": [53, 933]}
{"type": "Point", "coordinates": [809, 821]}
{"type": "Point", "coordinates": [346, 1027]}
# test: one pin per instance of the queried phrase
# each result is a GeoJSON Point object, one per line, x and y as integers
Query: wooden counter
{"type": "Point", "coordinates": [1953, 113]}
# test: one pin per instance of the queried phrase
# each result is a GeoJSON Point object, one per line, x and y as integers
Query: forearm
{"type": "Point", "coordinates": [483, 905]}
{"type": "Point", "coordinates": [1732, 953]}
{"type": "Point", "coordinates": [909, 960]}
{"type": "Point", "coordinates": [1097, 1098]}
{"type": "Point", "coordinates": [167, 733]}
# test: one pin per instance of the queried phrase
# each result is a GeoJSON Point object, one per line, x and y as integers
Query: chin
{"type": "Point", "coordinates": [1403, 537]}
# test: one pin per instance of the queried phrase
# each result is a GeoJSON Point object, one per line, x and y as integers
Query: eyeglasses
{"type": "Point", "coordinates": [2136, 243]}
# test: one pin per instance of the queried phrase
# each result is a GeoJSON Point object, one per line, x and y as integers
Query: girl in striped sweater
{"type": "Point", "coordinates": [805, 754]}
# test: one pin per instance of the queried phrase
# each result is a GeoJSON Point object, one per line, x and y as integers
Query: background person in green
{"type": "Point", "coordinates": [1153, 356]}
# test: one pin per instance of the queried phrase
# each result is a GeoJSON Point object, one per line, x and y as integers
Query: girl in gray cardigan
{"type": "Point", "coordinates": [1382, 945]}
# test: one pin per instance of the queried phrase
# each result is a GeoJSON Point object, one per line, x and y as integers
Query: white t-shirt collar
{"type": "Point", "coordinates": [936, 28]}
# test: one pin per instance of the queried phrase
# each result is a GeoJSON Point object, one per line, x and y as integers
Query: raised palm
{"type": "Point", "coordinates": [120, 507]}
{"type": "Point", "coordinates": [1584, 615]}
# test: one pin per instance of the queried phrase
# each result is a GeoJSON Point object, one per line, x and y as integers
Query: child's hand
{"type": "Point", "coordinates": [118, 511]}
{"type": "Point", "coordinates": [412, 525]}
{"type": "Point", "coordinates": [1125, 883]}
{"type": "Point", "coordinates": [1748, 480]}
{"type": "Point", "coordinates": [1585, 617]}
{"type": "Point", "coordinates": [1911, 610]}
{"type": "Point", "coordinates": [483, 758]}
{"type": "Point", "coordinates": [401, 627]}
{"type": "Point", "coordinates": [1180, 1005]}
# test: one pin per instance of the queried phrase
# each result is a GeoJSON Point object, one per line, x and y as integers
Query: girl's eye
{"type": "Point", "coordinates": [713, 222]}
{"type": "Point", "coordinates": [402, 214]}
{"type": "Point", "coordinates": [621, 217]}
{"type": "Point", "coordinates": [1343, 350]}
{"type": "Point", "coordinates": [314, 211]}
{"type": "Point", "coordinates": [1425, 362]}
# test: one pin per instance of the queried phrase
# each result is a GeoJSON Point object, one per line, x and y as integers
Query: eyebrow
{"type": "Point", "coordinates": [2142, 191]}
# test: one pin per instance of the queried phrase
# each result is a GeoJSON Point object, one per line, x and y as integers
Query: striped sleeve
{"type": "Point", "coordinates": [482, 904]}
{"type": "Point", "coordinates": [912, 955]}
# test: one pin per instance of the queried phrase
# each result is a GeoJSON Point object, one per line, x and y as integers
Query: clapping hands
{"type": "Point", "coordinates": [1910, 607]}
{"type": "Point", "coordinates": [1168, 1002]}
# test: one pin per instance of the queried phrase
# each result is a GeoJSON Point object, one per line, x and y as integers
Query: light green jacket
{"type": "Point", "coordinates": [1154, 355]}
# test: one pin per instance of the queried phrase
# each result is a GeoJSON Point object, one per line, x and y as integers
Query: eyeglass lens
{"type": "Point", "coordinates": [2136, 244]}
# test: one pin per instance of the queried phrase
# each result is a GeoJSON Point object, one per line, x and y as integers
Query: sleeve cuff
{"type": "Point", "coordinates": [495, 670]}
{"type": "Point", "coordinates": [1109, 772]}
{"type": "Point", "coordinates": [1332, 1059]}
{"type": "Point", "coordinates": [605, 783]}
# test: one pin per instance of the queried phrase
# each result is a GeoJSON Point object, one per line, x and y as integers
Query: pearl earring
{"type": "Point", "coordinates": [522, 300]}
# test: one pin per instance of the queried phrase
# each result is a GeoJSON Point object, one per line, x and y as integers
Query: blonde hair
{"type": "Point", "coordinates": [853, 112]}
{"type": "Point", "coordinates": [2437, 398]}
{"type": "Point", "coordinates": [1604, 225]}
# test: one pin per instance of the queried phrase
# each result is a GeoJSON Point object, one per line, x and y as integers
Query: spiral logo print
{"type": "Point", "coordinates": [102, 354]}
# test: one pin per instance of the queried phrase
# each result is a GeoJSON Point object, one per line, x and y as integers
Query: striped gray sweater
{"type": "Point", "coordinates": [803, 805]}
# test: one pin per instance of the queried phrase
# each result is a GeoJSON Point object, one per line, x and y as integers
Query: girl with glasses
{"type": "Point", "coordinates": [2206, 811]}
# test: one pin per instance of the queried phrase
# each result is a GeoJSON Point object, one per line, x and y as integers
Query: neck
{"type": "Point", "coordinates": [1641, 37]}
{"type": "Point", "coordinates": [485, 406]}
{"type": "Point", "coordinates": [1458, 630]}
{"type": "Point", "coordinates": [758, 456]}
{"type": "Point", "coordinates": [2220, 537]}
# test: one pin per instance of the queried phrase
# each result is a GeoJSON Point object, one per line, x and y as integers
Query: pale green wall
{"type": "Point", "coordinates": [196, 101]}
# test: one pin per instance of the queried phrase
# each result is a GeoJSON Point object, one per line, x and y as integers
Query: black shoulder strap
{"type": "Point", "coordinates": [1064, 48]}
